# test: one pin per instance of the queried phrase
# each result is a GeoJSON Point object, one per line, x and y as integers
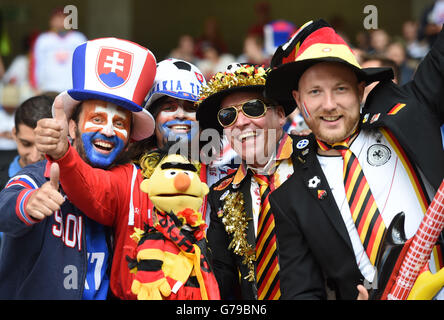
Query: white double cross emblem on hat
{"type": "Point", "coordinates": [116, 62]}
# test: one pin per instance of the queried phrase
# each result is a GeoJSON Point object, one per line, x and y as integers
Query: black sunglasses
{"type": "Point", "coordinates": [252, 109]}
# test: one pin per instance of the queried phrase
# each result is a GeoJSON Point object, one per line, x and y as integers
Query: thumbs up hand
{"type": "Point", "coordinates": [47, 199]}
{"type": "Point", "coordinates": [54, 176]}
{"type": "Point", "coordinates": [51, 134]}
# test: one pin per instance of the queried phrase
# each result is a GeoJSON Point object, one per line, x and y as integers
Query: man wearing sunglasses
{"type": "Point", "coordinates": [241, 235]}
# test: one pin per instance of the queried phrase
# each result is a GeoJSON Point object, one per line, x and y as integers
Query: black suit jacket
{"type": "Point", "coordinates": [312, 225]}
{"type": "Point", "coordinates": [229, 269]}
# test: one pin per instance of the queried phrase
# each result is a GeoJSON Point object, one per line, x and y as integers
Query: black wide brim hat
{"type": "Point", "coordinates": [237, 78]}
{"type": "Point", "coordinates": [313, 43]}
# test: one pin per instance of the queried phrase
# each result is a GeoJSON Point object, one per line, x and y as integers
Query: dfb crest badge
{"type": "Point", "coordinates": [113, 66]}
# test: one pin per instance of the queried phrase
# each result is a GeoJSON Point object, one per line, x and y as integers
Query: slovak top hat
{"type": "Point", "coordinates": [177, 79]}
{"type": "Point", "coordinates": [238, 77]}
{"type": "Point", "coordinates": [314, 42]}
{"type": "Point", "coordinates": [117, 71]}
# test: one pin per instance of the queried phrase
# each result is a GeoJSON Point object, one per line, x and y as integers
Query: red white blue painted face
{"type": "Point", "coordinates": [105, 129]}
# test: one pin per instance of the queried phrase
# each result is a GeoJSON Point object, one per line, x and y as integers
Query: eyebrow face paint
{"type": "Point", "coordinates": [177, 112]}
{"type": "Point", "coordinates": [108, 119]}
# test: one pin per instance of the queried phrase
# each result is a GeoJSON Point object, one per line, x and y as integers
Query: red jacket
{"type": "Point", "coordinates": [113, 198]}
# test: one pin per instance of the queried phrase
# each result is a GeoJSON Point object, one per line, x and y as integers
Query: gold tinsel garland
{"type": "Point", "coordinates": [148, 163]}
{"type": "Point", "coordinates": [244, 76]}
{"type": "Point", "coordinates": [236, 223]}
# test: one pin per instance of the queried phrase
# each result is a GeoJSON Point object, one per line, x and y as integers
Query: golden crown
{"type": "Point", "coordinates": [246, 75]}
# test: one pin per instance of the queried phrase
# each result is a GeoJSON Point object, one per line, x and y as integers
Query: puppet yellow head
{"type": "Point", "coordinates": [175, 185]}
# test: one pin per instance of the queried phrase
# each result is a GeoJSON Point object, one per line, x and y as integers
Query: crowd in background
{"type": "Point", "coordinates": [210, 51]}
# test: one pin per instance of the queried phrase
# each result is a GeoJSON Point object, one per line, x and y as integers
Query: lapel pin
{"type": "Point", "coordinates": [302, 144]}
{"type": "Point", "coordinates": [364, 120]}
{"type": "Point", "coordinates": [375, 118]}
{"type": "Point", "coordinates": [314, 182]}
{"type": "Point", "coordinates": [322, 194]}
{"type": "Point", "coordinates": [224, 195]}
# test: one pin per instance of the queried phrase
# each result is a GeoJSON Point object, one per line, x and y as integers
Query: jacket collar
{"type": "Point", "coordinates": [283, 151]}
{"type": "Point", "coordinates": [316, 183]}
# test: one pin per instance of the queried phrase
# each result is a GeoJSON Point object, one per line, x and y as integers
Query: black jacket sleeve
{"type": "Point", "coordinates": [224, 265]}
{"type": "Point", "coordinates": [428, 82]}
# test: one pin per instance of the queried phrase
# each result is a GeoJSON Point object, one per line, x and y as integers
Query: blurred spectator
{"type": "Point", "coordinates": [2, 68]}
{"type": "Point", "coordinates": [10, 100]}
{"type": "Point", "coordinates": [8, 147]}
{"type": "Point", "coordinates": [5, 42]}
{"type": "Point", "coordinates": [415, 49]}
{"type": "Point", "coordinates": [397, 52]}
{"type": "Point", "coordinates": [359, 54]}
{"type": "Point", "coordinates": [25, 120]}
{"type": "Point", "coordinates": [211, 36]}
{"type": "Point", "coordinates": [431, 22]}
{"type": "Point", "coordinates": [339, 23]}
{"type": "Point", "coordinates": [363, 40]}
{"type": "Point", "coordinates": [378, 61]}
{"type": "Point", "coordinates": [184, 49]}
{"type": "Point", "coordinates": [253, 51]}
{"type": "Point", "coordinates": [53, 54]}
{"type": "Point", "coordinates": [295, 123]}
{"type": "Point", "coordinates": [379, 40]}
{"type": "Point", "coordinates": [213, 61]}
{"type": "Point", "coordinates": [276, 33]}
{"type": "Point", "coordinates": [18, 73]}
{"type": "Point", "coordinates": [262, 11]}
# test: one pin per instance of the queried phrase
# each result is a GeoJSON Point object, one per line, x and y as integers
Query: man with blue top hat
{"type": "Point", "coordinates": [52, 250]}
{"type": "Point", "coordinates": [116, 198]}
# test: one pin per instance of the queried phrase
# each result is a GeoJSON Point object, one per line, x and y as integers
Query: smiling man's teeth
{"type": "Point", "coordinates": [103, 144]}
{"type": "Point", "coordinates": [246, 135]}
{"type": "Point", "coordinates": [331, 118]}
{"type": "Point", "coordinates": [180, 127]}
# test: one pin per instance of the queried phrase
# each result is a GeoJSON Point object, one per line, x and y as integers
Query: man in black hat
{"type": "Point", "coordinates": [358, 169]}
{"type": "Point", "coordinates": [242, 237]}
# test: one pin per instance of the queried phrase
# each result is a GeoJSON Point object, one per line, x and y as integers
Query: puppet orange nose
{"type": "Point", "coordinates": [182, 181]}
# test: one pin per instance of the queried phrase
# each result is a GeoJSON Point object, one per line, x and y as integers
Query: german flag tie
{"type": "Point", "coordinates": [267, 265]}
{"type": "Point", "coordinates": [365, 213]}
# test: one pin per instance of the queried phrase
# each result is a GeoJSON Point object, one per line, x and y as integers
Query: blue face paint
{"type": "Point", "coordinates": [96, 158]}
{"type": "Point", "coordinates": [170, 134]}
